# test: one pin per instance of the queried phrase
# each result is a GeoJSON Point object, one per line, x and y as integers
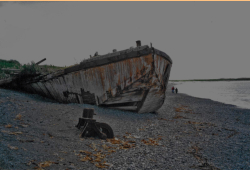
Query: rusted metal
{"type": "Point", "coordinates": [89, 127]}
{"type": "Point", "coordinates": [138, 43]}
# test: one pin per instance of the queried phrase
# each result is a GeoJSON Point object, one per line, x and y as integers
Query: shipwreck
{"type": "Point", "coordinates": [134, 79]}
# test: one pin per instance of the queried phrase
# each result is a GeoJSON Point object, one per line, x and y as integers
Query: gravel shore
{"type": "Point", "coordinates": [186, 133]}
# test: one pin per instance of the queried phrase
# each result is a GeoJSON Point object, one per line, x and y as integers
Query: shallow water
{"type": "Point", "coordinates": [229, 92]}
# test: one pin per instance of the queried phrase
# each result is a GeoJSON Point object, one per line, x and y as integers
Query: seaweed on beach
{"type": "Point", "coordinates": [183, 108]}
{"type": "Point", "coordinates": [98, 153]}
{"type": "Point", "coordinates": [183, 144]}
{"type": "Point", "coordinates": [178, 116]}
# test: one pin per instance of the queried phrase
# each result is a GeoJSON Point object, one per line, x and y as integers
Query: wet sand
{"type": "Point", "coordinates": [186, 133]}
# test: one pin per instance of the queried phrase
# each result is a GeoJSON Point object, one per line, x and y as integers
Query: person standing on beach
{"type": "Point", "coordinates": [176, 90]}
{"type": "Point", "coordinates": [173, 89]}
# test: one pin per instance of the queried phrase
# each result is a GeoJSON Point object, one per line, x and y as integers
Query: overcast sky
{"type": "Point", "coordinates": [204, 39]}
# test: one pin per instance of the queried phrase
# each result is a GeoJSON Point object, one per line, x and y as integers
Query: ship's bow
{"type": "Point", "coordinates": [155, 97]}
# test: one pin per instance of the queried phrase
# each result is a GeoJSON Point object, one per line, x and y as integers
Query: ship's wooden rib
{"type": "Point", "coordinates": [44, 89]}
{"type": "Point", "coordinates": [37, 89]}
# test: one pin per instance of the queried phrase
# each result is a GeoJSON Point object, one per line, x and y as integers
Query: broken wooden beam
{"type": "Point", "coordinates": [10, 69]}
{"type": "Point", "coordinates": [40, 61]}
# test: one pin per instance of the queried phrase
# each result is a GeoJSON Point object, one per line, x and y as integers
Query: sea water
{"type": "Point", "coordinates": [229, 92]}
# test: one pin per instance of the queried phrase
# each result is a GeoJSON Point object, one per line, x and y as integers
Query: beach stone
{"type": "Point", "coordinates": [181, 141]}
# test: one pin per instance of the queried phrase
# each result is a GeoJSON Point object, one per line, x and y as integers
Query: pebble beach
{"type": "Point", "coordinates": [185, 133]}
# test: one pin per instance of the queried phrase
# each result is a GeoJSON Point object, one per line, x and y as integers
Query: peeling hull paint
{"type": "Point", "coordinates": [135, 80]}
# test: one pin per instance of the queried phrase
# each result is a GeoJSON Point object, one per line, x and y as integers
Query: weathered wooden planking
{"type": "Point", "coordinates": [31, 89]}
{"type": "Point", "coordinates": [129, 108]}
{"type": "Point", "coordinates": [80, 94]}
{"type": "Point", "coordinates": [49, 87]}
{"type": "Point", "coordinates": [26, 88]}
{"type": "Point", "coordinates": [69, 84]}
{"type": "Point", "coordinates": [109, 58]}
{"type": "Point", "coordinates": [160, 65]}
{"type": "Point", "coordinates": [153, 101]}
{"type": "Point", "coordinates": [156, 95]}
{"type": "Point", "coordinates": [126, 97]}
{"type": "Point", "coordinates": [58, 89]}
{"type": "Point", "coordinates": [6, 81]}
{"type": "Point", "coordinates": [88, 98]}
{"type": "Point", "coordinates": [63, 88]}
{"type": "Point", "coordinates": [133, 79]}
{"type": "Point", "coordinates": [112, 77]}
{"type": "Point", "coordinates": [37, 89]}
{"type": "Point", "coordinates": [44, 89]}
{"type": "Point", "coordinates": [54, 88]}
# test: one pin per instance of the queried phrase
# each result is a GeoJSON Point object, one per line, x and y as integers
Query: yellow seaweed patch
{"type": "Point", "coordinates": [151, 141]}
{"type": "Point", "coordinates": [8, 126]}
{"type": "Point", "coordinates": [45, 164]}
{"type": "Point", "coordinates": [102, 165]}
{"type": "Point", "coordinates": [177, 116]}
{"type": "Point", "coordinates": [114, 141]}
{"type": "Point", "coordinates": [18, 117]}
{"type": "Point", "coordinates": [86, 158]}
{"type": "Point", "coordinates": [97, 158]}
{"type": "Point", "coordinates": [183, 109]}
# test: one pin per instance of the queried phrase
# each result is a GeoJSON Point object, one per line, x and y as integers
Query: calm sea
{"type": "Point", "coordinates": [229, 92]}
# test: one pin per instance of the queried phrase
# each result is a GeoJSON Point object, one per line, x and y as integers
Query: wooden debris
{"type": "Point", "coordinates": [11, 133]}
{"type": "Point", "coordinates": [16, 133]}
{"type": "Point", "coordinates": [40, 61]}
{"type": "Point", "coordinates": [13, 147]}
{"type": "Point", "coordinates": [25, 126]}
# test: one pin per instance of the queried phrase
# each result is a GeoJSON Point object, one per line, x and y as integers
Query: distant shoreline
{"type": "Point", "coordinates": [222, 79]}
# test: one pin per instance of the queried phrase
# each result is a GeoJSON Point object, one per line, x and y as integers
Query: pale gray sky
{"type": "Point", "coordinates": [204, 39]}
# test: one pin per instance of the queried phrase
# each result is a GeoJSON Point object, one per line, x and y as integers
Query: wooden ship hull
{"type": "Point", "coordinates": [134, 79]}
